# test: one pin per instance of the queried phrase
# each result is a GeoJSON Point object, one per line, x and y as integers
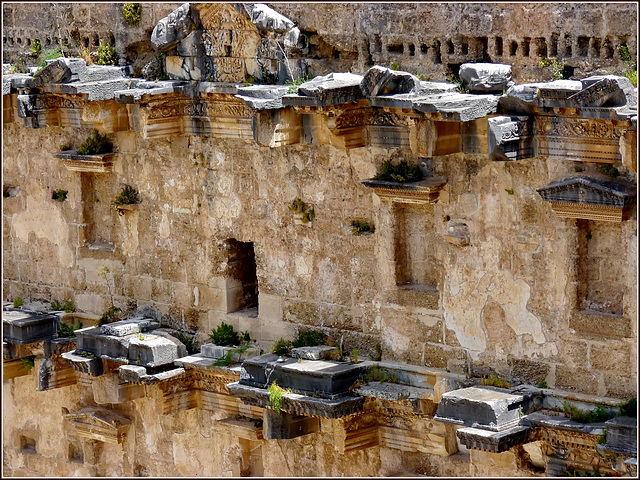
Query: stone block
{"type": "Point", "coordinates": [153, 350]}
{"type": "Point", "coordinates": [110, 388]}
{"type": "Point", "coordinates": [480, 439]}
{"type": "Point", "coordinates": [90, 366]}
{"type": "Point", "coordinates": [384, 81]}
{"type": "Point", "coordinates": [486, 77]}
{"type": "Point", "coordinates": [267, 19]}
{"type": "Point", "coordinates": [622, 435]}
{"type": "Point", "coordinates": [480, 407]}
{"type": "Point", "coordinates": [172, 28]}
{"type": "Point", "coordinates": [510, 138]}
{"type": "Point", "coordinates": [23, 327]}
{"type": "Point", "coordinates": [283, 426]}
{"type": "Point", "coordinates": [128, 326]}
{"type": "Point", "coordinates": [331, 89]}
{"type": "Point", "coordinates": [458, 107]}
{"type": "Point", "coordinates": [320, 352]}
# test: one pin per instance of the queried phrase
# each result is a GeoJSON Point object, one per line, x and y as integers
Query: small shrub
{"type": "Point", "coordinates": [107, 54]}
{"type": "Point", "coordinates": [379, 374]}
{"type": "Point", "coordinates": [294, 84]}
{"type": "Point", "coordinates": [87, 355]}
{"type": "Point", "coordinates": [281, 347]}
{"type": "Point", "coordinates": [403, 172]}
{"type": "Point", "coordinates": [189, 342]}
{"type": "Point", "coordinates": [495, 381]}
{"type": "Point", "coordinates": [112, 314]}
{"type": "Point", "coordinates": [299, 207]}
{"type": "Point", "coordinates": [67, 306]}
{"type": "Point", "coordinates": [96, 145]}
{"type": "Point", "coordinates": [310, 338]}
{"type": "Point", "coordinates": [609, 170]}
{"type": "Point", "coordinates": [18, 302]}
{"type": "Point", "coordinates": [602, 438]}
{"type": "Point", "coordinates": [127, 196]}
{"type": "Point", "coordinates": [227, 358]}
{"type": "Point", "coordinates": [225, 336]}
{"type": "Point", "coordinates": [557, 67]}
{"type": "Point", "coordinates": [50, 54]}
{"type": "Point", "coordinates": [355, 355]}
{"type": "Point", "coordinates": [28, 363]}
{"type": "Point", "coordinates": [358, 227]}
{"type": "Point", "coordinates": [131, 13]}
{"type": "Point", "coordinates": [394, 66]}
{"type": "Point", "coordinates": [597, 415]}
{"type": "Point", "coordinates": [632, 75]}
{"type": "Point", "coordinates": [68, 331]}
{"type": "Point", "coordinates": [36, 47]}
{"type": "Point", "coordinates": [59, 195]}
{"type": "Point", "coordinates": [276, 396]}
{"type": "Point", "coordinates": [628, 408]}
{"type": "Point", "coordinates": [623, 51]}
{"type": "Point", "coordinates": [542, 384]}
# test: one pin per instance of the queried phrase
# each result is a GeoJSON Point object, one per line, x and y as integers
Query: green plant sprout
{"type": "Point", "coordinates": [67, 306]}
{"type": "Point", "coordinates": [96, 145]}
{"type": "Point", "coordinates": [107, 54]}
{"type": "Point", "coordinates": [301, 208]}
{"type": "Point", "coordinates": [132, 13]}
{"type": "Point", "coordinates": [59, 195]}
{"type": "Point", "coordinates": [358, 227]}
{"type": "Point", "coordinates": [127, 196]}
{"type": "Point", "coordinates": [403, 172]}
{"type": "Point", "coordinates": [18, 302]}
{"type": "Point", "coordinates": [28, 363]}
{"type": "Point", "coordinates": [276, 394]}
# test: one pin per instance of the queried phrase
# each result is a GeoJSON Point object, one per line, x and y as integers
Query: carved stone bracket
{"type": "Point", "coordinates": [421, 193]}
{"type": "Point", "coordinates": [102, 163]}
{"type": "Point", "coordinates": [101, 424]}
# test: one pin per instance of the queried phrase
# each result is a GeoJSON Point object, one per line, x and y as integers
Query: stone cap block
{"type": "Point", "coordinates": [395, 392]}
{"type": "Point", "coordinates": [24, 326]}
{"type": "Point", "coordinates": [561, 423]}
{"type": "Point", "coordinates": [486, 77]}
{"type": "Point", "coordinates": [91, 366]}
{"type": "Point", "coordinates": [136, 374]}
{"type": "Point", "coordinates": [480, 407]}
{"type": "Point", "coordinates": [330, 89]}
{"type": "Point", "coordinates": [380, 80]}
{"type": "Point", "coordinates": [460, 107]}
{"type": "Point", "coordinates": [479, 439]}
{"type": "Point", "coordinates": [320, 352]}
{"type": "Point", "coordinates": [172, 28]}
{"type": "Point", "coordinates": [129, 326]}
{"type": "Point", "coordinates": [267, 19]}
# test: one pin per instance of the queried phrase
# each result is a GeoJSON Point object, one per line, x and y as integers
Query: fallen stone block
{"type": "Point", "coordinates": [459, 106]}
{"type": "Point", "coordinates": [267, 19]}
{"type": "Point", "coordinates": [480, 407]}
{"type": "Point", "coordinates": [62, 70]}
{"type": "Point", "coordinates": [384, 81]}
{"type": "Point", "coordinates": [321, 352]}
{"type": "Point", "coordinates": [510, 138]}
{"type": "Point", "coordinates": [486, 77]}
{"type": "Point", "coordinates": [172, 28]}
{"type": "Point", "coordinates": [480, 439]}
{"type": "Point", "coordinates": [330, 89]}
{"type": "Point", "coordinates": [91, 366]}
{"type": "Point", "coordinates": [622, 436]}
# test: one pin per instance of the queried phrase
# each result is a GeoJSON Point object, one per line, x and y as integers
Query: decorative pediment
{"type": "Point", "coordinates": [590, 198]}
{"type": "Point", "coordinates": [423, 192]}
{"type": "Point", "coordinates": [99, 424]}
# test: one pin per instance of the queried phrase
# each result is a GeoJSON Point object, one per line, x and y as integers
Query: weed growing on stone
{"type": "Point", "coordinates": [510, 191]}
{"type": "Point", "coordinates": [301, 208]}
{"type": "Point", "coordinates": [597, 415]}
{"type": "Point", "coordinates": [87, 355]}
{"type": "Point", "coordinates": [112, 314]}
{"type": "Point", "coordinates": [495, 381]}
{"type": "Point", "coordinates": [227, 358]}
{"type": "Point", "coordinates": [394, 66]}
{"type": "Point", "coordinates": [609, 170]}
{"type": "Point", "coordinates": [107, 54]}
{"type": "Point", "coordinates": [59, 195]}
{"type": "Point", "coordinates": [355, 355]}
{"type": "Point", "coordinates": [67, 306]}
{"type": "Point", "coordinates": [276, 394]}
{"type": "Point", "coordinates": [131, 13]}
{"type": "Point", "coordinates": [225, 336]}
{"type": "Point", "coordinates": [358, 227]}
{"type": "Point", "coordinates": [403, 172]}
{"type": "Point", "coordinates": [36, 47]}
{"type": "Point", "coordinates": [628, 408]}
{"type": "Point", "coordinates": [189, 342]}
{"type": "Point", "coordinates": [310, 338]}
{"type": "Point", "coordinates": [28, 363]}
{"type": "Point", "coordinates": [69, 331]}
{"type": "Point", "coordinates": [556, 67]}
{"type": "Point", "coordinates": [542, 384]}
{"type": "Point", "coordinates": [18, 302]}
{"type": "Point", "coordinates": [127, 196]}
{"type": "Point", "coordinates": [96, 145]}
{"type": "Point", "coordinates": [281, 347]}
{"type": "Point", "coordinates": [602, 438]}
{"type": "Point", "coordinates": [294, 84]}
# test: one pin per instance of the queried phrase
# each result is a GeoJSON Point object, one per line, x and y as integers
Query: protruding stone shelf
{"type": "Point", "coordinates": [23, 327]}
{"type": "Point", "coordinates": [486, 440]}
{"type": "Point", "coordinates": [127, 207]}
{"type": "Point", "coordinates": [590, 198]}
{"type": "Point", "coordinates": [421, 193]}
{"type": "Point", "coordinates": [102, 163]}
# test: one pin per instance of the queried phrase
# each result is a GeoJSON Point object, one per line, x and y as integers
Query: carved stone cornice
{"type": "Point", "coordinates": [421, 193]}
{"type": "Point", "coordinates": [101, 424]}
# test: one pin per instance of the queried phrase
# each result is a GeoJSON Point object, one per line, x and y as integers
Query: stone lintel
{"type": "Point", "coordinates": [101, 163]}
{"type": "Point", "coordinates": [421, 193]}
{"type": "Point", "coordinates": [480, 439]}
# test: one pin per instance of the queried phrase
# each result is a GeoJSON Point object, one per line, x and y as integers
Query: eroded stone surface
{"type": "Point", "coordinates": [486, 77]}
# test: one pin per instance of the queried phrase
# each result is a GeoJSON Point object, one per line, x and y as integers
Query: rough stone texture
{"type": "Point", "coordinates": [172, 28]}
{"type": "Point", "coordinates": [384, 81]}
{"type": "Point", "coordinates": [485, 77]}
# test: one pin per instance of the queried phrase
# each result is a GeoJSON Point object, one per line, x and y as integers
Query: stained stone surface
{"type": "Point", "coordinates": [327, 90]}
{"type": "Point", "coordinates": [267, 19]}
{"type": "Point", "coordinates": [486, 77]}
{"type": "Point", "coordinates": [23, 327]}
{"type": "Point", "coordinates": [480, 407]}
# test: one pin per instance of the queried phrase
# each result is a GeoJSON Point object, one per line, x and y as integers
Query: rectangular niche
{"type": "Point", "coordinates": [98, 216]}
{"type": "Point", "coordinates": [417, 253]}
{"type": "Point", "coordinates": [242, 291]}
{"type": "Point", "coordinates": [601, 278]}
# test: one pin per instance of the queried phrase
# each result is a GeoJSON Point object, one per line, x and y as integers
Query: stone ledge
{"type": "Point", "coordinates": [73, 161]}
{"type": "Point", "coordinates": [423, 192]}
{"type": "Point", "coordinates": [298, 404]}
{"type": "Point", "coordinates": [480, 439]}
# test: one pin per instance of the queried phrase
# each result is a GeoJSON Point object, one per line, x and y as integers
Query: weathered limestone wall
{"type": "Point", "coordinates": [507, 302]}
{"type": "Point", "coordinates": [427, 39]}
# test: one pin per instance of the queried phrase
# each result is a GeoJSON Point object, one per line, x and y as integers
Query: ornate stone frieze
{"type": "Point", "coordinates": [101, 424]}
{"type": "Point", "coordinates": [590, 198]}
{"type": "Point", "coordinates": [510, 138]}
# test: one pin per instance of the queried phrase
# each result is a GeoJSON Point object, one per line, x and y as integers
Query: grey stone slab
{"type": "Point", "coordinates": [561, 422]}
{"type": "Point", "coordinates": [486, 77]}
{"type": "Point", "coordinates": [129, 326]}
{"type": "Point", "coordinates": [172, 28]}
{"type": "Point", "coordinates": [211, 350]}
{"type": "Point", "coordinates": [90, 366]}
{"type": "Point", "coordinates": [380, 80]}
{"type": "Point", "coordinates": [196, 360]}
{"type": "Point", "coordinates": [321, 352]}
{"type": "Point", "coordinates": [99, 73]}
{"type": "Point", "coordinates": [136, 374]}
{"type": "Point", "coordinates": [21, 81]}
{"type": "Point", "coordinates": [521, 99]}
{"type": "Point", "coordinates": [459, 106]}
{"type": "Point", "coordinates": [510, 138]}
{"type": "Point", "coordinates": [622, 435]}
{"type": "Point", "coordinates": [395, 392]}
{"type": "Point", "coordinates": [142, 89]}
{"type": "Point", "coordinates": [24, 327]}
{"type": "Point", "coordinates": [330, 89]}
{"type": "Point", "coordinates": [626, 95]}
{"type": "Point", "coordinates": [284, 426]}
{"type": "Point", "coordinates": [191, 45]}
{"type": "Point", "coordinates": [480, 407]}
{"type": "Point", "coordinates": [62, 70]}
{"type": "Point", "coordinates": [95, 90]}
{"type": "Point", "coordinates": [590, 190]}
{"type": "Point", "coordinates": [263, 97]}
{"type": "Point", "coordinates": [322, 378]}
{"type": "Point", "coordinates": [476, 438]}
{"type": "Point", "coordinates": [297, 403]}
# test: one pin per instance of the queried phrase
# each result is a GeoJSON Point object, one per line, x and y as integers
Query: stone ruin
{"type": "Point", "coordinates": [491, 298]}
